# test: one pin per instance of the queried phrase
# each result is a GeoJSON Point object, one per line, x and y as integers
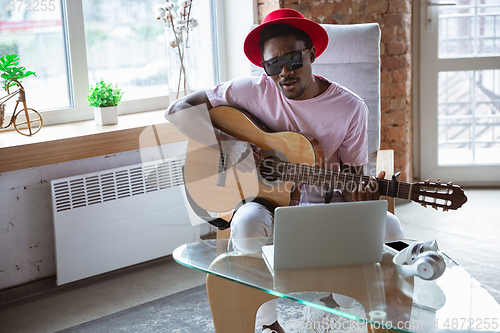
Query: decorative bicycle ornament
{"type": "Point", "coordinates": [26, 121]}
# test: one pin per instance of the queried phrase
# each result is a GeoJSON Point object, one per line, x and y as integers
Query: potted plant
{"type": "Point", "coordinates": [105, 97]}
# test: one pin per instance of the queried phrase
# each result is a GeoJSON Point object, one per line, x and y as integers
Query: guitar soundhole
{"type": "Point", "coordinates": [269, 168]}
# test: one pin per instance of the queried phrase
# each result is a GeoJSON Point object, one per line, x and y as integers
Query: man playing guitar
{"type": "Point", "coordinates": [287, 98]}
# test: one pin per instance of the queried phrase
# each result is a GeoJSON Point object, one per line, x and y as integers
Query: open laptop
{"type": "Point", "coordinates": [327, 235]}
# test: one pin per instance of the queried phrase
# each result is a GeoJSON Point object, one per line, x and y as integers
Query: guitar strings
{"type": "Point", "coordinates": [312, 175]}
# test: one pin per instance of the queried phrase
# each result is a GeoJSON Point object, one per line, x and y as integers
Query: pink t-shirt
{"type": "Point", "coordinates": [337, 118]}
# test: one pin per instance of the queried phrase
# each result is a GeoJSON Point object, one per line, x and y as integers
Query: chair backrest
{"type": "Point", "coordinates": [352, 59]}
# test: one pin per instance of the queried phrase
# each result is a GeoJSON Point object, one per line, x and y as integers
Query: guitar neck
{"type": "Point", "coordinates": [311, 175]}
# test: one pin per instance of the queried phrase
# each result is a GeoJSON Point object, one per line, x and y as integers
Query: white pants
{"type": "Point", "coordinates": [255, 220]}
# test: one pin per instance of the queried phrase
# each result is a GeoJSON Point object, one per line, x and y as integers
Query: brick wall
{"type": "Point", "coordinates": [266, 6]}
{"type": "Point", "coordinates": [394, 18]}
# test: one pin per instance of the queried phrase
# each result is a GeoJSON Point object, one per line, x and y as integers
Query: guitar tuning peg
{"type": "Point", "coordinates": [445, 210]}
{"type": "Point", "coordinates": [450, 182]}
{"type": "Point", "coordinates": [424, 205]}
{"type": "Point", "coordinates": [438, 181]}
{"type": "Point", "coordinates": [435, 208]}
{"type": "Point", "coordinates": [427, 181]}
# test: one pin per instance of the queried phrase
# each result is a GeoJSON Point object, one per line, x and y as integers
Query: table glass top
{"type": "Point", "coordinates": [375, 293]}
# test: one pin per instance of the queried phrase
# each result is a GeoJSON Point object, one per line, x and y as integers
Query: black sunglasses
{"type": "Point", "coordinates": [292, 61]}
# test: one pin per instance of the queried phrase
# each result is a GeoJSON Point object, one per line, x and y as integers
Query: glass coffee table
{"type": "Point", "coordinates": [239, 282]}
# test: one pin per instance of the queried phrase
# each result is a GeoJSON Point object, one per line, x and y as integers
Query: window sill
{"type": "Point", "coordinates": [83, 139]}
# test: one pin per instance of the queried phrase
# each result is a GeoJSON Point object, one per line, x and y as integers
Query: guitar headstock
{"type": "Point", "coordinates": [446, 196]}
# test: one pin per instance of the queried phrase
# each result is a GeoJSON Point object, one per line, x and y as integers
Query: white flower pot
{"type": "Point", "coordinates": [106, 116]}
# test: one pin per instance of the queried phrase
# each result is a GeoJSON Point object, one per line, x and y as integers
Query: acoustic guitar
{"type": "Point", "coordinates": [289, 158]}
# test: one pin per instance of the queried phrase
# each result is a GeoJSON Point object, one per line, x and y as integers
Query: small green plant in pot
{"type": "Point", "coordinates": [105, 97]}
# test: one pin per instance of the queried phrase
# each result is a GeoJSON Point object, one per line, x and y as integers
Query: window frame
{"type": "Point", "coordinates": [78, 79]}
{"type": "Point", "coordinates": [427, 142]}
{"type": "Point", "coordinates": [231, 24]}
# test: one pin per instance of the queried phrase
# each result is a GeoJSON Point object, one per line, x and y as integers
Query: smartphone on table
{"type": "Point", "coordinates": [396, 246]}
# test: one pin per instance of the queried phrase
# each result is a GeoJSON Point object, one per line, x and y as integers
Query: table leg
{"type": "Point", "coordinates": [234, 305]}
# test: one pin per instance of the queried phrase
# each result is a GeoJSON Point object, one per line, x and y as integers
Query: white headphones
{"type": "Point", "coordinates": [423, 261]}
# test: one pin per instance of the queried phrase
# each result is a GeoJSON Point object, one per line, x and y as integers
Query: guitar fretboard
{"type": "Point", "coordinates": [311, 175]}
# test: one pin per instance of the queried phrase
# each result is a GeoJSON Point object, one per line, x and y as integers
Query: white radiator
{"type": "Point", "coordinates": [120, 217]}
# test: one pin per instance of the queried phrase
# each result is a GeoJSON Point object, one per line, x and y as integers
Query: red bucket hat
{"type": "Point", "coordinates": [317, 33]}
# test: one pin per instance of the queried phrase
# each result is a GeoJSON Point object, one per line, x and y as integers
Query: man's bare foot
{"type": "Point", "coordinates": [275, 328]}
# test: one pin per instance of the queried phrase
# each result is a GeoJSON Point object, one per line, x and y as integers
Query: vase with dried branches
{"type": "Point", "coordinates": [178, 17]}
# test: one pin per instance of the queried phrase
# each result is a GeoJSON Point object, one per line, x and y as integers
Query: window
{"type": "Point", "coordinates": [470, 28]}
{"type": "Point", "coordinates": [469, 117]}
{"type": "Point", "coordinates": [468, 101]}
{"type": "Point", "coordinates": [71, 44]}
{"type": "Point", "coordinates": [460, 91]}
{"type": "Point", "coordinates": [126, 44]}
